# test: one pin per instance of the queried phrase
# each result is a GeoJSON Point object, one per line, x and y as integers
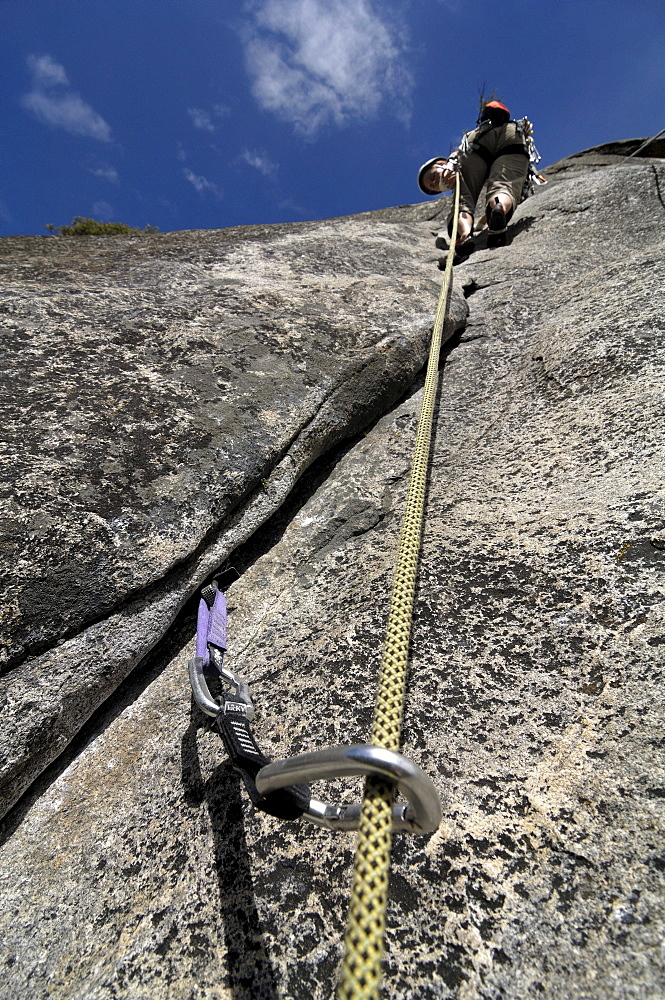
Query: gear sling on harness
{"type": "Point", "coordinates": [281, 787]}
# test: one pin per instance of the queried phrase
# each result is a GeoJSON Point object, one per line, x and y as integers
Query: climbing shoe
{"type": "Point", "coordinates": [496, 217]}
{"type": "Point", "coordinates": [464, 245]}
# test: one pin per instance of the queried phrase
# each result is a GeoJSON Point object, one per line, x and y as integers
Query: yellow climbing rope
{"type": "Point", "coordinates": [364, 941]}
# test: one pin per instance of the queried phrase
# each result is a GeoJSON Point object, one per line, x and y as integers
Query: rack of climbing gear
{"type": "Point", "coordinates": [281, 787]}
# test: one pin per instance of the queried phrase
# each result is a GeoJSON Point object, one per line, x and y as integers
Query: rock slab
{"type": "Point", "coordinates": [164, 394]}
{"type": "Point", "coordinates": [140, 869]}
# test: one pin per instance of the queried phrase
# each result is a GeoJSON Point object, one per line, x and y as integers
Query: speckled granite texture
{"type": "Point", "coordinates": [162, 395]}
{"type": "Point", "coordinates": [136, 867]}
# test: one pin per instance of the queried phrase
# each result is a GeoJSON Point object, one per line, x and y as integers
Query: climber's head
{"type": "Point", "coordinates": [427, 181]}
{"type": "Point", "coordinates": [495, 112]}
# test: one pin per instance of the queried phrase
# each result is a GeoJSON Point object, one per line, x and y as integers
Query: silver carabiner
{"type": "Point", "coordinates": [201, 691]}
{"type": "Point", "coordinates": [420, 814]}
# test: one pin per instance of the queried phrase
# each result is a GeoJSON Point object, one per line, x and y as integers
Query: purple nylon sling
{"type": "Point", "coordinates": [211, 626]}
{"type": "Point", "coordinates": [232, 720]}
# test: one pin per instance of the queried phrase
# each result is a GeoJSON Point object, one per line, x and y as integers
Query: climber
{"type": "Point", "coordinates": [499, 153]}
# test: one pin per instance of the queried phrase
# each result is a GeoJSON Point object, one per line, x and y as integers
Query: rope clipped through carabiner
{"type": "Point", "coordinates": [365, 932]}
{"type": "Point", "coordinates": [281, 787]}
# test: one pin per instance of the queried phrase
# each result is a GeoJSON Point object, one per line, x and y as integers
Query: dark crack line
{"type": "Point", "coordinates": [657, 180]}
{"type": "Point", "coordinates": [186, 565]}
{"type": "Point", "coordinates": [183, 627]}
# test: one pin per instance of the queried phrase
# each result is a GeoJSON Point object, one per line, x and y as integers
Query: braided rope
{"type": "Point", "coordinates": [365, 931]}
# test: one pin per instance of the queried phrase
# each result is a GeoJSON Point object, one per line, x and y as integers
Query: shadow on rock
{"type": "Point", "coordinates": [480, 239]}
{"type": "Point", "coordinates": [250, 974]}
{"type": "Point", "coordinates": [657, 183]}
{"type": "Point", "coordinates": [522, 225]}
{"type": "Point", "coordinates": [192, 779]}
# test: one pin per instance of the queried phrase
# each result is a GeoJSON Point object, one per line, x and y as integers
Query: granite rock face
{"type": "Point", "coordinates": [137, 867]}
{"type": "Point", "coordinates": [163, 395]}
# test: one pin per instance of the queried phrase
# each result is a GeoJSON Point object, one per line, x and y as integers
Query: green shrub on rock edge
{"type": "Point", "coordinates": [91, 227]}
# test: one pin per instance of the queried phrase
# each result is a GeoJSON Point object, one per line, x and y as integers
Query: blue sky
{"type": "Point", "coordinates": [211, 113]}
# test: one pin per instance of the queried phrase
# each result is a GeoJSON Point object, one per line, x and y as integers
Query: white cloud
{"type": "Point", "coordinates": [260, 162]}
{"type": "Point", "coordinates": [53, 102]}
{"type": "Point", "coordinates": [202, 184]}
{"type": "Point", "coordinates": [313, 61]}
{"type": "Point", "coordinates": [201, 119]}
{"type": "Point", "coordinates": [104, 171]}
{"type": "Point", "coordinates": [47, 72]}
{"type": "Point", "coordinates": [103, 211]}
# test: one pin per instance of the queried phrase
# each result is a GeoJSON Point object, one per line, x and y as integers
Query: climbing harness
{"type": "Point", "coordinates": [281, 787]}
{"type": "Point", "coordinates": [527, 148]}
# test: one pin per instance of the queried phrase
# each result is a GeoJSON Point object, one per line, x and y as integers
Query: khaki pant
{"type": "Point", "coordinates": [506, 175]}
